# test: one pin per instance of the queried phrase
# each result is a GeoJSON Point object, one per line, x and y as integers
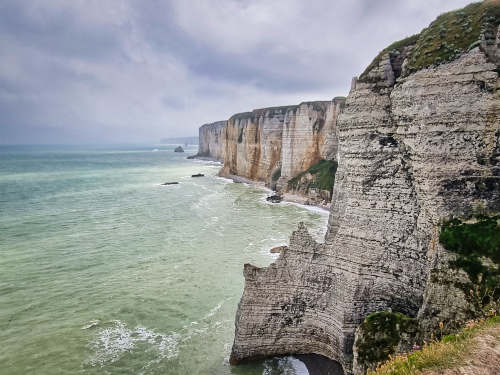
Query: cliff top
{"type": "Point", "coordinates": [279, 110]}
{"type": "Point", "coordinates": [446, 38]}
{"type": "Point", "coordinates": [214, 124]}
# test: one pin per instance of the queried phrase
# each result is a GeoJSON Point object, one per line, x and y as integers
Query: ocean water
{"type": "Point", "coordinates": [104, 271]}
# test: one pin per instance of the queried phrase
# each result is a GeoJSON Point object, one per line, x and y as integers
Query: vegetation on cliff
{"type": "Point", "coordinates": [476, 243]}
{"type": "Point", "coordinates": [451, 351]}
{"type": "Point", "coordinates": [323, 173]}
{"type": "Point", "coordinates": [380, 334]}
{"type": "Point", "coordinates": [450, 35]}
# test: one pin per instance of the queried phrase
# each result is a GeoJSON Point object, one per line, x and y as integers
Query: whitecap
{"type": "Point", "coordinates": [213, 311]}
{"type": "Point", "coordinates": [225, 180]}
{"type": "Point", "coordinates": [113, 342]}
{"type": "Point", "coordinates": [90, 324]}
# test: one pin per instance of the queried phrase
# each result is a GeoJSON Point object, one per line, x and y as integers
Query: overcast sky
{"type": "Point", "coordinates": [97, 71]}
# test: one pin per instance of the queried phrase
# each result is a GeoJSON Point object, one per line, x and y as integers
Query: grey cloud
{"type": "Point", "coordinates": [128, 70]}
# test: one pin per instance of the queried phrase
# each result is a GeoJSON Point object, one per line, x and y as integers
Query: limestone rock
{"type": "Point", "coordinates": [273, 145]}
{"type": "Point", "coordinates": [212, 141]}
{"type": "Point", "coordinates": [412, 150]}
{"type": "Point", "coordinates": [253, 143]}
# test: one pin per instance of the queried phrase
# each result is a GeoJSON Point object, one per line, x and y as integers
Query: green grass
{"type": "Point", "coordinates": [449, 352]}
{"type": "Point", "coordinates": [447, 37]}
{"type": "Point", "coordinates": [324, 176]}
{"type": "Point", "coordinates": [473, 241]}
{"type": "Point", "coordinates": [394, 48]}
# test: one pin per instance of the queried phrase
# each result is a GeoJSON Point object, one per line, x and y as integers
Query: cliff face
{"type": "Point", "coordinates": [415, 146]}
{"type": "Point", "coordinates": [273, 145]}
{"type": "Point", "coordinates": [212, 140]}
{"type": "Point", "coordinates": [253, 143]}
{"type": "Point", "coordinates": [309, 136]}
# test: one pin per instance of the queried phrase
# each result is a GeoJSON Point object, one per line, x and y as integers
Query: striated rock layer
{"type": "Point", "coordinates": [412, 150]}
{"type": "Point", "coordinates": [253, 143]}
{"type": "Point", "coordinates": [273, 145]}
{"type": "Point", "coordinates": [212, 140]}
{"type": "Point", "coordinates": [309, 135]}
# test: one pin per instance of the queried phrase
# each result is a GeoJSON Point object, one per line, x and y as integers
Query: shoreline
{"type": "Point", "coordinates": [287, 197]}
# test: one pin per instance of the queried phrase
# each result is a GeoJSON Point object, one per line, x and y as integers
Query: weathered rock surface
{"type": "Point", "coordinates": [413, 149]}
{"type": "Point", "coordinates": [274, 198]}
{"type": "Point", "coordinates": [253, 143]}
{"type": "Point", "coordinates": [212, 141]}
{"type": "Point", "coordinates": [309, 135]}
{"type": "Point", "coordinates": [273, 145]}
{"type": "Point", "coordinates": [278, 249]}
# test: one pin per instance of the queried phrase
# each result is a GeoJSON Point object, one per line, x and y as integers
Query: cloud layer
{"type": "Point", "coordinates": [97, 71]}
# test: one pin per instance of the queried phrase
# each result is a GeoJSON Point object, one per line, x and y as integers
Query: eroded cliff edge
{"type": "Point", "coordinates": [417, 143]}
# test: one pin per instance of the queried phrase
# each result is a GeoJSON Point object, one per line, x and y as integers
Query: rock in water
{"type": "Point", "coordinates": [278, 249]}
{"type": "Point", "coordinates": [198, 175]}
{"type": "Point", "coordinates": [274, 198]}
{"type": "Point", "coordinates": [179, 149]}
{"type": "Point", "coordinates": [170, 183]}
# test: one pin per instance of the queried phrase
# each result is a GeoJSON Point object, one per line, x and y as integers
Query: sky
{"type": "Point", "coordinates": [134, 71]}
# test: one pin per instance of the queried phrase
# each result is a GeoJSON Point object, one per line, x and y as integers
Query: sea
{"type": "Point", "coordinates": [104, 270]}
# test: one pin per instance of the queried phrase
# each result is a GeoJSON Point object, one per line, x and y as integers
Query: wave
{"type": "Point", "coordinates": [112, 342]}
{"type": "Point", "coordinates": [91, 324]}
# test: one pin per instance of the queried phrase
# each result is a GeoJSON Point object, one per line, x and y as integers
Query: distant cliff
{"type": "Point", "coordinates": [418, 143]}
{"type": "Point", "coordinates": [254, 143]}
{"type": "Point", "coordinates": [212, 140]}
{"type": "Point", "coordinates": [277, 146]}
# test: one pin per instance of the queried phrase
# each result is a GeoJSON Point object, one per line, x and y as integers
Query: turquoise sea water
{"type": "Point", "coordinates": [104, 271]}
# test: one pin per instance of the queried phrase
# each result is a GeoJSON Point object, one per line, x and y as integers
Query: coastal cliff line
{"type": "Point", "coordinates": [283, 148]}
{"type": "Point", "coordinates": [212, 141]}
{"type": "Point", "coordinates": [418, 152]}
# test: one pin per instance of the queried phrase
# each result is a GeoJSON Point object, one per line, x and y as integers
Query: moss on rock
{"type": "Point", "coordinates": [476, 243]}
{"type": "Point", "coordinates": [445, 39]}
{"type": "Point", "coordinates": [323, 173]}
{"type": "Point", "coordinates": [380, 335]}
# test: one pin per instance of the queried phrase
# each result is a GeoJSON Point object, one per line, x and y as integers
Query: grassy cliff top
{"type": "Point", "coordinates": [451, 34]}
{"type": "Point", "coordinates": [468, 348]}
{"type": "Point", "coordinates": [262, 111]}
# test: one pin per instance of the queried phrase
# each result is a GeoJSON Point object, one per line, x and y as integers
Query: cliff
{"type": "Point", "coordinates": [254, 142]}
{"type": "Point", "coordinates": [278, 145]}
{"type": "Point", "coordinates": [418, 142]}
{"type": "Point", "coordinates": [308, 136]}
{"type": "Point", "coordinates": [212, 140]}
